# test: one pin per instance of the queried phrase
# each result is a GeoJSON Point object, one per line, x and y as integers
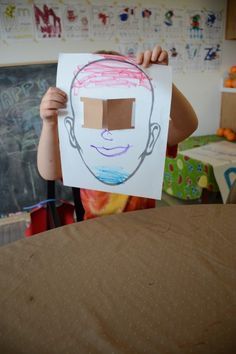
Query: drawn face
{"type": "Point", "coordinates": [112, 155]}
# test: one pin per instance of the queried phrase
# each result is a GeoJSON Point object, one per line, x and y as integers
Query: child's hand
{"type": "Point", "coordinates": [155, 56]}
{"type": "Point", "coordinates": [53, 100]}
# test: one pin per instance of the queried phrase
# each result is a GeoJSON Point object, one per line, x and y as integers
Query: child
{"type": "Point", "coordinates": [183, 122]}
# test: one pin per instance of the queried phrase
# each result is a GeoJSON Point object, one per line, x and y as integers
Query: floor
{"type": "Point", "coordinates": [12, 228]}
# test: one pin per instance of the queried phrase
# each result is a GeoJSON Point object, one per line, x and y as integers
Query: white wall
{"type": "Point", "coordinates": [202, 89]}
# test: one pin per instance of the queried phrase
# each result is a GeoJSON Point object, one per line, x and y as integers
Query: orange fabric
{"type": "Point", "coordinates": [102, 203]}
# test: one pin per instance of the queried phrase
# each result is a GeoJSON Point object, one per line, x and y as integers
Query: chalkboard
{"type": "Point", "coordinates": [21, 90]}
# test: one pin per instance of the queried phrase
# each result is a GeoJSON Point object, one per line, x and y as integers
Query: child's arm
{"type": "Point", "coordinates": [183, 120]}
{"type": "Point", "coordinates": [48, 158]}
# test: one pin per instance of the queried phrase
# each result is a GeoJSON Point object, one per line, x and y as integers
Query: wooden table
{"type": "Point", "coordinates": [153, 281]}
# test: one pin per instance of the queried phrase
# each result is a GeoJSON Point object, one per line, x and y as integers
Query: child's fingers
{"type": "Point", "coordinates": [156, 53]}
{"type": "Point", "coordinates": [139, 58]}
{"type": "Point", "coordinates": [156, 56]}
{"type": "Point", "coordinates": [56, 90]}
{"type": "Point", "coordinates": [53, 100]}
{"type": "Point", "coordinates": [55, 94]}
{"type": "Point", "coordinates": [163, 57]}
{"type": "Point", "coordinates": [52, 104]}
{"type": "Point", "coordinates": [147, 58]}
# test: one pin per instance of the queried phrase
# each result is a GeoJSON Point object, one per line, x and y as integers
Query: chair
{"type": "Point", "coordinates": [54, 219]}
{"type": "Point", "coordinates": [231, 199]}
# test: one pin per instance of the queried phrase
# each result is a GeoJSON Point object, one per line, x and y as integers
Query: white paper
{"type": "Point", "coordinates": [215, 154]}
{"type": "Point", "coordinates": [129, 161]}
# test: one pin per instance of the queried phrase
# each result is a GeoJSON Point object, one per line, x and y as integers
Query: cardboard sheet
{"type": "Point", "coordinates": [111, 114]}
{"type": "Point", "coordinates": [156, 281]}
{"type": "Point", "coordinates": [113, 133]}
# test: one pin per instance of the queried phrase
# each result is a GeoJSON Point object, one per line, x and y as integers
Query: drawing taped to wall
{"type": "Point", "coordinates": [47, 21]}
{"type": "Point", "coordinates": [130, 27]}
{"type": "Point", "coordinates": [113, 134]}
{"type": "Point", "coordinates": [75, 19]}
{"type": "Point", "coordinates": [16, 21]}
{"type": "Point", "coordinates": [103, 22]}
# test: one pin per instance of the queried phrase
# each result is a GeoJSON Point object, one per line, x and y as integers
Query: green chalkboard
{"type": "Point", "coordinates": [21, 90]}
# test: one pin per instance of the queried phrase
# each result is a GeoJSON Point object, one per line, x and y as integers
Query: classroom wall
{"type": "Point", "coordinates": [201, 88]}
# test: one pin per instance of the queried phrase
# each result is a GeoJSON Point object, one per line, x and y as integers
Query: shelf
{"type": "Point", "coordinates": [226, 89]}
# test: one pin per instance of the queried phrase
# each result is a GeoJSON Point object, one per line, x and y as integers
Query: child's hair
{"type": "Point", "coordinates": [108, 52]}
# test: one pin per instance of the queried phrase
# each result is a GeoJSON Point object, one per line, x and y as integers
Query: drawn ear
{"type": "Point", "coordinates": [69, 124]}
{"type": "Point", "coordinates": [155, 130]}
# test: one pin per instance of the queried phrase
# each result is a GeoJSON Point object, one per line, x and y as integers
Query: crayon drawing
{"type": "Point", "coordinates": [114, 124]}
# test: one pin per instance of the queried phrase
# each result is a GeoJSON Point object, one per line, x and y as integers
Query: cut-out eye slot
{"type": "Point", "coordinates": [110, 114]}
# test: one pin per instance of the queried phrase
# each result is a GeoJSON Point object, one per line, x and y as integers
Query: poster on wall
{"type": "Point", "coordinates": [113, 132]}
{"type": "Point", "coordinates": [211, 56]}
{"type": "Point", "coordinates": [198, 32]}
{"type": "Point", "coordinates": [194, 25]}
{"type": "Point", "coordinates": [193, 57]}
{"type": "Point", "coordinates": [103, 22]}
{"type": "Point", "coordinates": [47, 18]}
{"type": "Point", "coordinates": [175, 51]}
{"type": "Point", "coordinates": [213, 25]}
{"type": "Point", "coordinates": [128, 22]}
{"type": "Point", "coordinates": [150, 22]}
{"type": "Point", "coordinates": [76, 21]}
{"type": "Point", "coordinates": [173, 23]}
{"type": "Point", "coordinates": [16, 20]}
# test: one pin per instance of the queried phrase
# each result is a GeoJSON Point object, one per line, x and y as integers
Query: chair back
{"type": "Point", "coordinates": [231, 199]}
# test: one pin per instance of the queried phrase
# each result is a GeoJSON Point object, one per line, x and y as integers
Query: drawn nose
{"type": "Point", "coordinates": [106, 135]}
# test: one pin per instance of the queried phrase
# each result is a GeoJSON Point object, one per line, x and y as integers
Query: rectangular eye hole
{"type": "Point", "coordinates": [111, 114]}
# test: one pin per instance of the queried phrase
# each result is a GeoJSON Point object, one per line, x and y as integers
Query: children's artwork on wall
{"type": "Point", "coordinates": [193, 57]}
{"type": "Point", "coordinates": [75, 19]}
{"type": "Point", "coordinates": [16, 21]}
{"type": "Point", "coordinates": [173, 23]}
{"type": "Point", "coordinates": [195, 25]}
{"type": "Point", "coordinates": [47, 21]}
{"type": "Point", "coordinates": [213, 25]}
{"type": "Point", "coordinates": [150, 22]}
{"type": "Point", "coordinates": [128, 21]}
{"type": "Point", "coordinates": [176, 55]}
{"type": "Point", "coordinates": [113, 133]}
{"type": "Point", "coordinates": [103, 22]}
{"type": "Point", "coordinates": [212, 56]}
{"type": "Point", "coordinates": [129, 27]}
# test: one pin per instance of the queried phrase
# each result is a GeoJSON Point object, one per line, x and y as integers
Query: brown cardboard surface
{"type": "Point", "coordinates": [228, 110]}
{"type": "Point", "coordinates": [111, 114]}
{"type": "Point", "coordinates": [93, 113]}
{"type": "Point", "coordinates": [230, 30]}
{"type": "Point", "coordinates": [155, 281]}
{"type": "Point", "coordinates": [120, 113]}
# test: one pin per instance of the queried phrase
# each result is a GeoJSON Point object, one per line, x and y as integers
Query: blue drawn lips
{"type": "Point", "coordinates": [111, 152]}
